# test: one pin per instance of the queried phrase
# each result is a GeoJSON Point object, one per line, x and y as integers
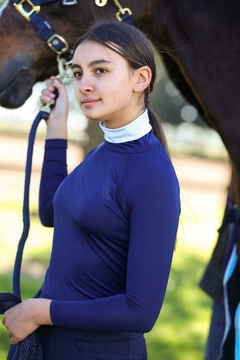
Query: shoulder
{"type": "Point", "coordinates": [150, 172]}
{"type": "Point", "coordinates": [153, 162]}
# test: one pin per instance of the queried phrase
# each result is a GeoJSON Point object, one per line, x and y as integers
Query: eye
{"type": "Point", "coordinates": [100, 71]}
{"type": "Point", "coordinates": [77, 74]}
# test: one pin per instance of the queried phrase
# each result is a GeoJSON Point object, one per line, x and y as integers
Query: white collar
{"type": "Point", "coordinates": [132, 131]}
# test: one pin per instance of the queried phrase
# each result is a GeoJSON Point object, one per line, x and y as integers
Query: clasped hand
{"type": "Point", "coordinates": [23, 319]}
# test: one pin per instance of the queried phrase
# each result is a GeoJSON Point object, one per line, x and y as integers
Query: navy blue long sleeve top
{"type": "Point", "coordinates": [115, 219]}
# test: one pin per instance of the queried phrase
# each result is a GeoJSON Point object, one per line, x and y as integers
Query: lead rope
{"type": "Point", "coordinates": [30, 348]}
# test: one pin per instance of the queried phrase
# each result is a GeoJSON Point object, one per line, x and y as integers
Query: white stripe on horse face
{"type": "Point", "coordinates": [5, 4]}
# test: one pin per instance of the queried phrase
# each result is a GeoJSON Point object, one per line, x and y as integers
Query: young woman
{"type": "Point", "coordinates": [115, 216]}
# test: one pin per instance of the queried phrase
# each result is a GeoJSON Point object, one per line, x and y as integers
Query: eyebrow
{"type": "Point", "coordinates": [94, 62]}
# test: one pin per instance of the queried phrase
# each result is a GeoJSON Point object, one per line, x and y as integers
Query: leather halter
{"type": "Point", "coordinates": [30, 9]}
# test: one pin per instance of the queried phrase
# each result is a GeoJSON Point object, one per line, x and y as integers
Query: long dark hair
{"type": "Point", "coordinates": [134, 46]}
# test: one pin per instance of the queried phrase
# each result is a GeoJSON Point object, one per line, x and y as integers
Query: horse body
{"type": "Point", "coordinates": [198, 43]}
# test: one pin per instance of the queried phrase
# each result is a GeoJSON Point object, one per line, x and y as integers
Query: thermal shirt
{"type": "Point", "coordinates": [115, 218]}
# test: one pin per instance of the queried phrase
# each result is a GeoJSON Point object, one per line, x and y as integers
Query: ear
{"type": "Point", "coordinates": [143, 79]}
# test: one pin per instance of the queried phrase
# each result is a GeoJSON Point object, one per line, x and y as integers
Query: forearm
{"type": "Point", "coordinates": [39, 310]}
{"type": "Point", "coordinates": [119, 313]}
{"type": "Point", "coordinates": [36, 311]}
{"type": "Point", "coordinates": [54, 167]}
{"type": "Point", "coordinates": [56, 131]}
{"type": "Point", "coordinates": [57, 121]}
{"type": "Point", "coordinates": [54, 171]}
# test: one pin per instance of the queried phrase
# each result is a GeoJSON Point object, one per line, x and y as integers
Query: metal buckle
{"type": "Point", "coordinates": [101, 2]}
{"type": "Point", "coordinates": [122, 12]}
{"type": "Point", "coordinates": [54, 40]}
{"type": "Point", "coordinates": [23, 12]}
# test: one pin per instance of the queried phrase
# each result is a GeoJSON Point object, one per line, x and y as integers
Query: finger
{"type": "Point", "coordinates": [57, 84]}
{"type": "Point", "coordinates": [48, 91]}
{"type": "Point", "coordinates": [46, 97]}
{"type": "Point", "coordinates": [13, 341]}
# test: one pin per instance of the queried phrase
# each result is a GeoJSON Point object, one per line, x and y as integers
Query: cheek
{"type": "Point", "coordinates": [124, 93]}
{"type": "Point", "coordinates": [121, 88]}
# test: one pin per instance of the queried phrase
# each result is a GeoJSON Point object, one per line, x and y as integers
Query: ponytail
{"type": "Point", "coordinates": [157, 128]}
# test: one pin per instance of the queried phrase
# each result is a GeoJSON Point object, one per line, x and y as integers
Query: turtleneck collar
{"type": "Point", "coordinates": [132, 131]}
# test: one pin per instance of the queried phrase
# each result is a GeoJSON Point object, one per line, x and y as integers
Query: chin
{"type": "Point", "coordinates": [93, 119]}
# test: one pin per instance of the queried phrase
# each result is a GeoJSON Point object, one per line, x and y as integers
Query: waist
{"type": "Point", "coordinates": [81, 334]}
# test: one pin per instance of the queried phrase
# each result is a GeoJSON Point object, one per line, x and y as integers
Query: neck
{"type": "Point", "coordinates": [132, 131]}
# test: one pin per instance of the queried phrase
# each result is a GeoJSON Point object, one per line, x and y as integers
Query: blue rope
{"type": "Point", "coordinates": [30, 348]}
{"type": "Point", "coordinates": [26, 213]}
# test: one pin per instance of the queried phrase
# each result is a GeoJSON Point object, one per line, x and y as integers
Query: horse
{"type": "Point", "coordinates": [197, 41]}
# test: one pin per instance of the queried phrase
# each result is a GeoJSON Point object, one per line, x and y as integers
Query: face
{"type": "Point", "coordinates": [104, 85]}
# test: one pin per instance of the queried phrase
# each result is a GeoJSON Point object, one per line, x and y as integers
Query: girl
{"type": "Point", "coordinates": [115, 216]}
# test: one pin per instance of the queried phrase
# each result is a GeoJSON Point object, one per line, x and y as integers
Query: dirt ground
{"type": "Point", "coordinates": [203, 186]}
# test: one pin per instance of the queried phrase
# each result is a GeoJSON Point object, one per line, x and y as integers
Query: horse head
{"type": "Point", "coordinates": [25, 58]}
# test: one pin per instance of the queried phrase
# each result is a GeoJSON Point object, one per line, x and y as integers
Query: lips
{"type": "Point", "coordinates": [88, 102]}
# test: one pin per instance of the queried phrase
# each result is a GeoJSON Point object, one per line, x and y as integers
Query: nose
{"type": "Point", "coordinates": [85, 85]}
